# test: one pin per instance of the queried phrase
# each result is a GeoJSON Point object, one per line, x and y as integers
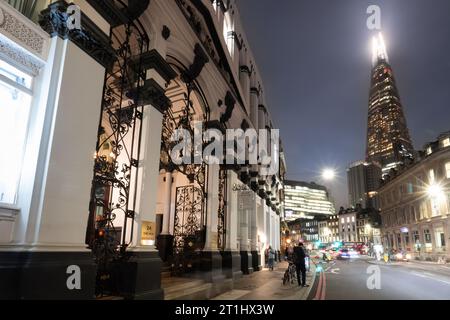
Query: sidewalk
{"type": "Point", "coordinates": [268, 285]}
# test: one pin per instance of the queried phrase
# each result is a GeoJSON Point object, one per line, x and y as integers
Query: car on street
{"type": "Point", "coordinates": [343, 254]}
{"type": "Point", "coordinates": [401, 256]}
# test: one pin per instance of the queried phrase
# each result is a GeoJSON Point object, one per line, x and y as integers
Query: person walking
{"type": "Point", "coordinates": [300, 265]}
{"type": "Point", "coordinates": [271, 254]}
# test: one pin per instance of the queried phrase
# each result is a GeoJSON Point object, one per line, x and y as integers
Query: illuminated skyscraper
{"type": "Point", "coordinates": [388, 139]}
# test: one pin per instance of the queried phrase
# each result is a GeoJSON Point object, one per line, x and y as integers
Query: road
{"type": "Point", "coordinates": [348, 280]}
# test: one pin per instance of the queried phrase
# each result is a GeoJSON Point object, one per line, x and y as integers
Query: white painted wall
{"type": "Point", "coordinates": [62, 209]}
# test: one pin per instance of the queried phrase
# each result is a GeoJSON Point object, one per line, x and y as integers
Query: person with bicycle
{"type": "Point", "coordinates": [300, 264]}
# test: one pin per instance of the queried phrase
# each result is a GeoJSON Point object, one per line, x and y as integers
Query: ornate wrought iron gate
{"type": "Point", "coordinates": [189, 227]}
{"type": "Point", "coordinates": [114, 185]}
{"type": "Point", "coordinates": [222, 214]}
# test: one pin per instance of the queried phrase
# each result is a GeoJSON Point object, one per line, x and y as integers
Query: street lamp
{"type": "Point", "coordinates": [328, 174]}
{"type": "Point", "coordinates": [437, 196]}
{"type": "Point", "coordinates": [435, 191]}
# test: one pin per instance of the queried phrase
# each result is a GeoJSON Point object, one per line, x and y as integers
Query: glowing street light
{"type": "Point", "coordinates": [435, 191]}
{"type": "Point", "coordinates": [328, 174]}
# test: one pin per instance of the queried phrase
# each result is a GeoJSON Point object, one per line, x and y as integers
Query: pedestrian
{"type": "Point", "coordinates": [300, 264]}
{"type": "Point", "coordinates": [266, 257]}
{"type": "Point", "coordinates": [271, 255]}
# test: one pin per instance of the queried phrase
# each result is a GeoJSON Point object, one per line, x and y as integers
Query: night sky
{"type": "Point", "coordinates": [315, 59]}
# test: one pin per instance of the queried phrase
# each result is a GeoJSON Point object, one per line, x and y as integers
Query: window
{"type": "Point", "coordinates": [416, 237]}
{"type": "Point", "coordinates": [431, 178]}
{"type": "Point", "coordinates": [406, 239]}
{"type": "Point", "coordinates": [353, 219]}
{"type": "Point", "coordinates": [409, 188]}
{"type": "Point", "coordinates": [228, 33]}
{"type": "Point", "coordinates": [15, 105]}
{"type": "Point", "coordinates": [440, 237]}
{"type": "Point", "coordinates": [447, 170]}
{"type": "Point", "coordinates": [429, 151]}
{"type": "Point", "coordinates": [427, 235]}
{"type": "Point", "coordinates": [446, 142]}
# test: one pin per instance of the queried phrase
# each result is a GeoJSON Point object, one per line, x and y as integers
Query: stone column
{"type": "Point", "coordinates": [253, 231]}
{"type": "Point", "coordinates": [211, 264]}
{"type": "Point", "coordinates": [231, 263]}
{"type": "Point", "coordinates": [244, 219]}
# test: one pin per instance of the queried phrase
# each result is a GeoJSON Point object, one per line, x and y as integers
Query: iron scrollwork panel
{"type": "Point", "coordinates": [116, 166]}
{"type": "Point", "coordinates": [222, 213]}
{"type": "Point", "coordinates": [189, 227]}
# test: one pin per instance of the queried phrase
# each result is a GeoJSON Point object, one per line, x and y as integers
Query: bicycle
{"type": "Point", "coordinates": [290, 275]}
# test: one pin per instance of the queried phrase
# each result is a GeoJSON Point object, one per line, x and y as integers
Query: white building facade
{"type": "Point", "coordinates": [93, 187]}
{"type": "Point", "coordinates": [415, 204]}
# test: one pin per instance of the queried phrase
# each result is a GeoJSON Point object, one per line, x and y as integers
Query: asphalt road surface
{"type": "Point", "coordinates": [350, 280]}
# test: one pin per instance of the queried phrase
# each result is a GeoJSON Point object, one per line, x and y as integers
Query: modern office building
{"type": "Point", "coordinates": [305, 204]}
{"type": "Point", "coordinates": [388, 139]}
{"type": "Point", "coordinates": [305, 200]}
{"type": "Point", "coordinates": [415, 204]}
{"type": "Point", "coordinates": [363, 180]}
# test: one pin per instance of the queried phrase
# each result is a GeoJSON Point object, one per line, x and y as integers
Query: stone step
{"type": "Point", "coordinates": [194, 291]}
{"type": "Point", "coordinates": [179, 284]}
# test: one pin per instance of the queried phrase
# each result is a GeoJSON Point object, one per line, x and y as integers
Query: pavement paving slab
{"type": "Point", "coordinates": [268, 285]}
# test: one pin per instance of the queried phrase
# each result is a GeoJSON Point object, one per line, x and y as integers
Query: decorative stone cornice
{"type": "Point", "coordinates": [151, 93]}
{"type": "Point", "coordinates": [229, 103]}
{"type": "Point", "coordinates": [90, 38]}
{"type": "Point", "coordinates": [254, 90]}
{"type": "Point", "coordinates": [200, 59]}
{"type": "Point", "coordinates": [153, 60]}
{"type": "Point", "coordinates": [10, 51]}
{"type": "Point", "coordinates": [116, 16]}
{"type": "Point", "coordinates": [22, 40]}
{"type": "Point", "coordinates": [245, 69]}
{"type": "Point", "coordinates": [215, 124]}
{"type": "Point", "coordinates": [263, 108]}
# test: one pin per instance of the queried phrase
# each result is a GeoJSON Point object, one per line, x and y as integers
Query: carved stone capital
{"type": "Point", "coordinates": [90, 38]}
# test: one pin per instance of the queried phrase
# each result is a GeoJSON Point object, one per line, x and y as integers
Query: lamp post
{"type": "Point", "coordinates": [328, 174]}
{"type": "Point", "coordinates": [437, 196]}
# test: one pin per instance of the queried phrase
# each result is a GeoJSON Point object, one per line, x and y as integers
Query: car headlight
{"type": "Point", "coordinates": [399, 256]}
{"type": "Point", "coordinates": [408, 256]}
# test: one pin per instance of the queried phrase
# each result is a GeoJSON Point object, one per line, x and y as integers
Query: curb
{"type": "Point", "coordinates": [306, 293]}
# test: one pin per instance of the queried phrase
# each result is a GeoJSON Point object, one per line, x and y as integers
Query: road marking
{"type": "Point", "coordinates": [319, 287]}
{"type": "Point", "coordinates": [324, 288]}
{"type": "Point", "coordinates": [335, 270]}
{"type": "Point", "coordinates": [429, 276]}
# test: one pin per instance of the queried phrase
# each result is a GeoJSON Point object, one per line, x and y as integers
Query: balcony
{"type": "Point", "coordinates": [29, 8]}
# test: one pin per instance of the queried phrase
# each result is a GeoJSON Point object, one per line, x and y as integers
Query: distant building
{"type": "Point", "coordinates": [415, 203]}
{"type": "Point", "coordinates": [388, 139]}
{"type": "Point", "coordinates": [303, 200]}
{"type": "Point", "coordinates": [347, 225]}
{"type": "Point", "coordinates": [363, 182]}
{"type": "Point", "coordinates": [305, 204]}
{"type": "Point", "coordinates": [368, 226]}
{"type": "Point", "coordinates": [329, 229]}
{"type": "Point", "coordinates": [360, 225]}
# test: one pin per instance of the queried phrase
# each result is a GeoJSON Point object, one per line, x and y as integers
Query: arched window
{"type": "Point", "coordinates": [228, 33]}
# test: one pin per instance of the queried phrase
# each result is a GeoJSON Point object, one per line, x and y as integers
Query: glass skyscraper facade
{"type": "Point", "coordinates": [388, 139]}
